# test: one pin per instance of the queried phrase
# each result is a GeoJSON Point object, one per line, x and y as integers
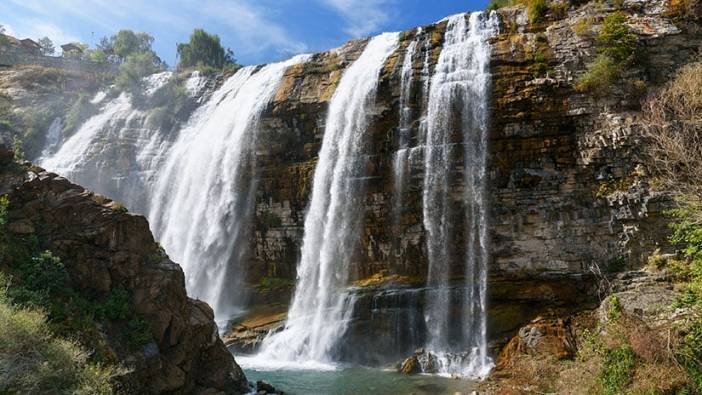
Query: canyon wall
{"type": "Point", "coordinates": [568, 193]}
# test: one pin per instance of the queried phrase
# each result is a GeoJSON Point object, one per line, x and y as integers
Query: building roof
{"type": "Point", "coordinates": [12, 40]}
{"type": "Point", "coordinates": [71, 47]}
{"type": "Point", "coordinates": [29, 43]}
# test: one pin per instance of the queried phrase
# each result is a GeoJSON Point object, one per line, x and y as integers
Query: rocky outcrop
{"type": "Point", "coordinates": [543, 336]}
{"type": "Point", "coordinates": [105, 248]}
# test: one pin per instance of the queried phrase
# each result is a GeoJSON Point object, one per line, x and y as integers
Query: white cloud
{"type": "Point", "coordinates": [36, 29]}
{"type": "Point", "coordinates": [362, 16]}
{"type": "Point", "coordinates": [247, 24]}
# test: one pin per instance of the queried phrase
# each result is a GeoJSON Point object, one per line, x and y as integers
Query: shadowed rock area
{"type": "Point", "coordinates": [105, 248]}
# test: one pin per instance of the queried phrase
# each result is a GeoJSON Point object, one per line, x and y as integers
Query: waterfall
{"type": "Point", "coordinates": [322, 305]}
{"type": "Point", "coordinates": [203, 198]}
{"type": "Point", "coordinates": [458, 97]}
{"type": "Point", "coordinates": [117, 134]}
{"type": "Point", "coordinates": [53, 135]}
{"type": "Point", "coordinates": [400, 159]}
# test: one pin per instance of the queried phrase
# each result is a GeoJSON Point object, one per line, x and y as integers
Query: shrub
{"type": "Point", "coordinates": [34, 361]}
{"type": "Point", "coordinates": [616, 49]}
{"type": "Point", "coordinates": [133, 70]}
{"type": "Point", "coordinates": [536, 9]}
{"type": "Point", "coordinates": [615, 39]}
{"type": "Point", "coordinates": [497, 4]}
{"type": "Point", "coordinates": [583, 26]}
{"type": "Point", "coordinates": [674, 135]}
{"type": "Point", "coordinates": [599, 77]}
{"type": "Point", "coordinates": [689, 353]}
{"type": "Point", "coordinates": [618, 366]}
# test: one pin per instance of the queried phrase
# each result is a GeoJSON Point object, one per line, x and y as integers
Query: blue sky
{"type": "Point", "coordinates": [258, 31]}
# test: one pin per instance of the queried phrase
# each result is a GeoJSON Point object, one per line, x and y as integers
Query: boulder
{"type": "Point", "coordinates": [552, 337]}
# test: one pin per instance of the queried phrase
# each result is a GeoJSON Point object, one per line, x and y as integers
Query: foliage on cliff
{"type": "Point", "coordinates": [34, 360]}
{"type": "Point", "coordinates": [205, 52]}
{"type": "Point", "coordinates": [616, 50]}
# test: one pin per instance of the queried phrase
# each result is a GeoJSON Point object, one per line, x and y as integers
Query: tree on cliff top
{"type": "Point", "coordinates": [126, 43]}
{"type": "Point", "coordinates": [204, 50]}
{"type": "Point", "coordinates": [47, 46]}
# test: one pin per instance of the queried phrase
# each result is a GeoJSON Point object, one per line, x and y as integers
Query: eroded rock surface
{"type": "Point", "coordinates": [104, 248]}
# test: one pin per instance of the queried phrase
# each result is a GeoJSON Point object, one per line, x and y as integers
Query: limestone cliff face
{"type": "Point", "coordinates": [567, 183]}
{"type": "Point", "coordinates": [105, 248]}
{"type": "Point", "coordinates": [568, 190]}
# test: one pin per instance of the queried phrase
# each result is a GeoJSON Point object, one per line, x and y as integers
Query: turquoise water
{"type": "Point", "coordinates": [358, 381]}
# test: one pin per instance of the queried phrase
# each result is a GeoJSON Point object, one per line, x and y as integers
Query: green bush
{"type": "Point", "coordinates": [689, 353]}
{"type": "Point", "coordinates": [616, 49]}
{"type": "Point", "coordinates": [618, 364]}
{"type": "Point", "coordinates": [615, 40]}
{"type": "Point", "coordinates": [33, 361]}
{"type": "Point", "coordinates": [536, 9]}
{"type": "Point", "coordinates": [132, 72]}
{"type": "Point", "coordinates": [497, 4]}
{"type": "Point", "coordinates": [600, 76]}
{"type": "Point", "coordinates": [40, 280]}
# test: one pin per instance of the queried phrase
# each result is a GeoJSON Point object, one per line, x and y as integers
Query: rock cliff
{"type": "Point", "coordinates": [569, 196]}
{"type": "Point", "coordinates": [105, 248]}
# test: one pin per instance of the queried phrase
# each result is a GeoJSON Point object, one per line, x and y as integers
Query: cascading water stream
{"type": "Point", "coordinates": [321, 307]}
{"type": "Point", "coordinates": [202, 203]}
{"type": "Point", "coordinates": [458, 96]}
{"type": "Point", "coordinates": [89, 155]}
{"type": "Point", "coordinates": [400, 158]}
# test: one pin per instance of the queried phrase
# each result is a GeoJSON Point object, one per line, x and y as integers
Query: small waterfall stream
{"type": "Point", "coordinates": [321, 306]}
{"type": "Point", "coordinates": [458, 96]}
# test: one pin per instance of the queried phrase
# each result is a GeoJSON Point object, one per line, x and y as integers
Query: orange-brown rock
{"type": "Point", "coordinates": [545, 337]}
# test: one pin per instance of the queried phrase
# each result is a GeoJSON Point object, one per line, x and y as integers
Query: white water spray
{"type": "Point", "coordinates": [458, 96]}
{"type": "Point", "coordinates": [321, 307]}
{"type": "Point", "coordinates": [203, 199]}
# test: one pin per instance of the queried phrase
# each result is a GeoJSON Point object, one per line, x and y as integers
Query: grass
{"type": "Point", "coordinates": [617, 48]}
{"type": "Point", "coordinates": [536, 9]}
{"type": "Point", "coordinates": [40, 280]}
{"type": "Point", "coordinates": [33, 361]}
{"type": "Point", "coordinates": [600, 76]}
{"type": "Point", "coordinates": [617, 369]}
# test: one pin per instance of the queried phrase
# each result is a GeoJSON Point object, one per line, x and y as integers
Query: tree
{"type": "Point", "coordinates": [47, 46]}
{"type": "Point", "coordinates": [127, 42]}
{"type": "Point", "coordinates": [2, 35]}
{"type": "Point", "coordinates": [96, 55]}
{"type": "Point", "coordinates": [133, 70]}
{"type": "Point", "coordinates": [204, 49]}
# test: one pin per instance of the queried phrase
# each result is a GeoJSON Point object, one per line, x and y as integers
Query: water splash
{"type": "Point", "coordinates": [322, 305]}
{"type": "Point", "coordinates": [203, 199]}
{"type": "Point", "coordinates": [458, 96]}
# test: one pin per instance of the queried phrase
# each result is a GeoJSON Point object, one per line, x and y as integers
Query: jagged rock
{"type": "Point", "coordinates": [104, 248]}
{"type": "Point", "coordinates": [266, 388]}
{"type": "Point", "coordinates": [551, 337]}
{"type": "Point", "coordinates": [421, 362]}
